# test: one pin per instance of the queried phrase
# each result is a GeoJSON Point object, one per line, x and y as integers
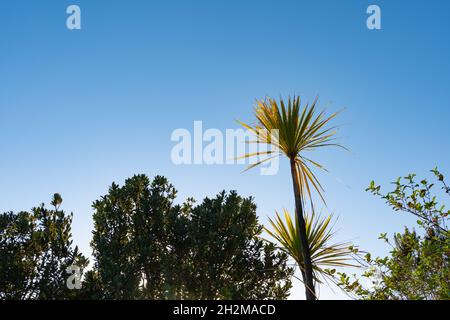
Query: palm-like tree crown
{"type": "Point", "coordinates": [292, 130]}
{"type": "Point", "coordinates": [319, 231]}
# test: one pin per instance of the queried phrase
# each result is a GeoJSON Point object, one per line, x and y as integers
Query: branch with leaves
{"type": "Point", "coordinates": [419, 261]}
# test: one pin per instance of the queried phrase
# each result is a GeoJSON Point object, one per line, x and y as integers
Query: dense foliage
{"type": "Point", "coordinates": [146, 247]}
{"type": "Point", "coordinates": [35, 252]}
{"type": "Point", "coordinates": [419, 263]}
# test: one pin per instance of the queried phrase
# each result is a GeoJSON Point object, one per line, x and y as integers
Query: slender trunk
{"type": "Point", "coordinates": [307, 273]}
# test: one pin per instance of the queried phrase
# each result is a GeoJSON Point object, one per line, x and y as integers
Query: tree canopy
{"type": "Point", "coordinates": [148, 247]}
{"type": "Point", "coordinates": [35, 252]}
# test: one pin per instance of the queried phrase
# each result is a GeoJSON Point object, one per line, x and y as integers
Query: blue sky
{"type": "Point", "coordinates": [81, 109]}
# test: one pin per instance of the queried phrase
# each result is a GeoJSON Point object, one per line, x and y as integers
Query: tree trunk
{"type": "Point", "coordinates": [308, 270]}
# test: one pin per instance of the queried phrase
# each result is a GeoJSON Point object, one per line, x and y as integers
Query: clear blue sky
{"type": "Point", "coordinates": [81, 109]}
